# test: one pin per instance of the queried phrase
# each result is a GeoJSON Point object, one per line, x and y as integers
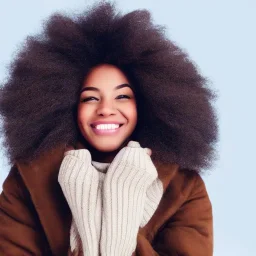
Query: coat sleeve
{"type": "Point", "coordinates": [188, 232]}
{"type": "Point", "coordinates": [20, 232]}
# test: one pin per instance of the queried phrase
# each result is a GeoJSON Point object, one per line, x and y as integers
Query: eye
{"type": "Point", "coordinates": [88, 99]}
{"type": "Point", "coordinates": [123, 97]}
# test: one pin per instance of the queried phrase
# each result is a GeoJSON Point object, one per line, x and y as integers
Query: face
{"type": "Point", "coordinates": [107, 113]}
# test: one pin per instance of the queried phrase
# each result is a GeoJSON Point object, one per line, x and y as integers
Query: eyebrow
{"type": "Point", "coordinates": [91, 88]}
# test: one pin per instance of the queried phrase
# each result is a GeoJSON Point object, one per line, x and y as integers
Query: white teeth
{"type": "Point", "coordinates": [106, 126]}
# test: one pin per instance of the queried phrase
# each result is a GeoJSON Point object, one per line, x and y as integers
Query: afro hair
{"type": "Point", "coordinates": [38, 102]}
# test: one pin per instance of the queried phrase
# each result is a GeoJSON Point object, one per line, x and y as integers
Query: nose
{"type": "Point", "coordinates": [106, 109]}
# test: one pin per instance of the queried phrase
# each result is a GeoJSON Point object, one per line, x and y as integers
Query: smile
{"type": "Point", "coordinates": [106, 129]}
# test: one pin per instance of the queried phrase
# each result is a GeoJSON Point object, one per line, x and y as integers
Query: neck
{"type": "Point", "coordinates": [99, 156]}
{"type": "Point", "coordinates": [103, 157]}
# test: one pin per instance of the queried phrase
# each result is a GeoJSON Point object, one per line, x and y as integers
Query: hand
{"type": "Point", "coordinates": [154, 195]}
{"type": "Point", "coordinates": [124, 198]}
{"type": "Point", "coordinates": [79, 181]}
{"type": "Point", "coordinates": [133, 155]}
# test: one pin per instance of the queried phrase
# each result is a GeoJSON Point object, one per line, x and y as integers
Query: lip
{"type": "Point", "coordinates": [107, 131]}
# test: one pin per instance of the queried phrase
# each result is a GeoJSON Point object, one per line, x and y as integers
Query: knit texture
{"type": "Point", "coordinates": [80, 183]}
{"type": "Point", "coordinates": [131, 193]}
{"type": "Point", "coordinates": [124, 194]}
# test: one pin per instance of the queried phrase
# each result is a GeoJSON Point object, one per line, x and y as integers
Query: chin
{"type": "Point", "coordinates": [108, 148]}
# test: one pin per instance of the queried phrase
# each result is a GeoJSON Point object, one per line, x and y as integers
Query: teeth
{"type": "Point", "coordinates": [106, 126]}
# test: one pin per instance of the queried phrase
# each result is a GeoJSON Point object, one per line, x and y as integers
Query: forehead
{"type": "Point", "coordinates": [105, 75]}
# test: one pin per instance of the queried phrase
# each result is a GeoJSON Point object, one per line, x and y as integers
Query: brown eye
{"type": "Point", "coordinates": [123, 97]}
{"type": "Point", "coordinates": [88, 99]}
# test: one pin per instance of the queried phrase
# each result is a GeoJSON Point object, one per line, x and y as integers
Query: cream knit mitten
{"type": "Point", "coordinates": [79, 181]}
{"type": "Point", "coordinates": [75, 240]}
{"type": "Point", "coordinates": [154, 195]}
{"type": "Point", "coordinates": [126, 202]}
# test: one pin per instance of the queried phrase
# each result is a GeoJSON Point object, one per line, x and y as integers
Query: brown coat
{"type": "Point", "coordinates": [35, 218]}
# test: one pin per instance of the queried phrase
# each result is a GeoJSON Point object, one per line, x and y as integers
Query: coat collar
{"type": "Point", "coordinates": [41, 179]}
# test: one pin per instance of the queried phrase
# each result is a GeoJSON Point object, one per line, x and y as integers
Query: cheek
{"type": "Point", "coordinates": [83, 114]}
{"type": "Point", "coordinates": [131, 112]}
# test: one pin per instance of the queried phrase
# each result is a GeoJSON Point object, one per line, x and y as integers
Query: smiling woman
{"type": "Point", "coordinates": [107, 125]}
{"type": "Point", "coordinates": [107, 114]}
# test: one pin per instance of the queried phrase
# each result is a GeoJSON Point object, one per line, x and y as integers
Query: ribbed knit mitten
{"type": "Point", "coordinates": [79, 181]}
{"type": "Point", "coordinates": [154, 195]}
{"type": "Point", "coordinates": [124, 196]}
{"type": "Point", "coordinates": [76, 245]}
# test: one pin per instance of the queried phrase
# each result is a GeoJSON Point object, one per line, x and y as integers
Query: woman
{"type": "Point", "coordinates": [105, 87]}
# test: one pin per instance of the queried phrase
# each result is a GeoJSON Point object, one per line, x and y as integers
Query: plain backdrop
{"type": "Point", "coordinates": [220, 37]}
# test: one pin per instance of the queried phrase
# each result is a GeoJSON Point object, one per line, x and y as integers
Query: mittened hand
{"type": "Point", "coordinates": [135, 156]}
{"type": "Point", "coordinates": [79, 181]}
{"type": "Point", "coordinates": [125, 187]}
{"type": "Point", "coordinates": [154, 191]}
{"type": "Point", "coordinates": [71, 164]}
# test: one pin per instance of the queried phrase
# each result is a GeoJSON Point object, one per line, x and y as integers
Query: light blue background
{"type": "Point", "coordinates": [220, 38]}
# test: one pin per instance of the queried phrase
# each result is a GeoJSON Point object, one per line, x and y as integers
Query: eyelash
{"type": "Point", "coordinates": [123, 96]}
{"type": "Point", "coordinates": [87, 99]}
{"type": "Point", "coordinates": [118, 97]}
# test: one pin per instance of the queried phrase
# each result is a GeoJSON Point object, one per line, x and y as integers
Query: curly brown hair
{"type": "Point", "coordinates": [38, 103]}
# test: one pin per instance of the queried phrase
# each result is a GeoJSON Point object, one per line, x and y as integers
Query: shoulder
{"type": "Point", "coordinates": [14, 184]}
{"type": "Point", "coordinates": [185, 185]}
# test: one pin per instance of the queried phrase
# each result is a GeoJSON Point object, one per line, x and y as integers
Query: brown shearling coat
{"type": "Point", "coordinates": [35, 218]}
